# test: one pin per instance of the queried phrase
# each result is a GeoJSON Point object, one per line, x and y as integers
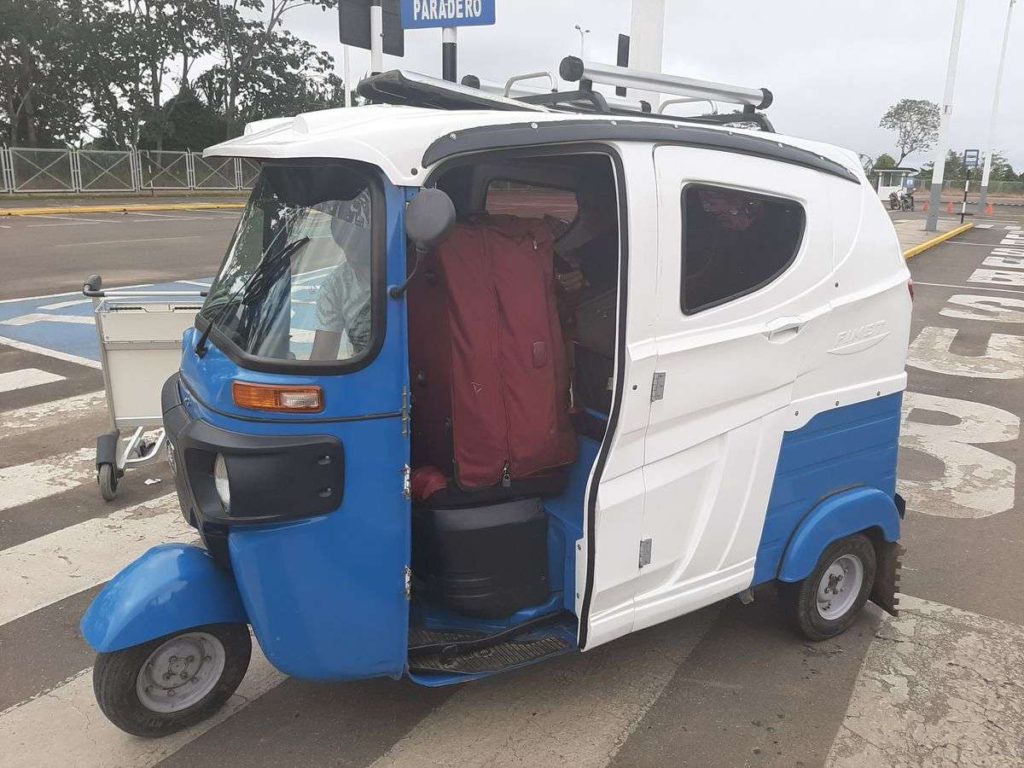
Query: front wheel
{"type": "Point", "coordinates": [173, 682]}
{"type": "Point", "coordinates": [827, 602]}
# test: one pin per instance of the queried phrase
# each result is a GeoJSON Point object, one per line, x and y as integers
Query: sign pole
{"type": "Point", "coordinates": [346, 70]}
{"type": "Point", "coordinates": [942, 146]}
{"type": "Point", "coordinates": [450, 53]}
{"type": "Point", "coordinates": [376, 37]}
{"type": "Point", "coordinates": [983, 197]}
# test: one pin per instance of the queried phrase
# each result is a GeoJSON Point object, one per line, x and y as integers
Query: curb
{"type": "Point", "coordinates": [927, 244]}
{"type": "Point", "coordinates": [117, 208]}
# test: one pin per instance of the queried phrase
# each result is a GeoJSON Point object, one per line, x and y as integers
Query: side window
{"type": "Point", "coordinates": [734, 242]}
{"type": "Point", "coordinates": [516, 198]}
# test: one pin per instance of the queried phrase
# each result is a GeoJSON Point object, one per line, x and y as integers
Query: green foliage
{"type": "Point", "coordinates": [884, 162]}
{"type": "Point", "coordinates": [916, 124]}
{"type": "Point", "coordinates": [954, 169]}
{"type": "Point", "coordinates": [99, 71]}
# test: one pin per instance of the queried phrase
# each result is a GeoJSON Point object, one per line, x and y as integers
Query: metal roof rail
{"type": "Point", "coordinates": [553, 97]}
{"type": "Point", "coordinates": [575, 69]}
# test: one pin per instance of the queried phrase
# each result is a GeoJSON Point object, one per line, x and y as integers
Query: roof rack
{"type": "Point", "coordinates": [575, 69]}
{"type": "Point", "coordinates": [415, 89]}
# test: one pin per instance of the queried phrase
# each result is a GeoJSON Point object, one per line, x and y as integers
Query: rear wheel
{"type": "Point", "coordinates": [827, 602]}
{"type": "Point", "coordinates": [173, 682]}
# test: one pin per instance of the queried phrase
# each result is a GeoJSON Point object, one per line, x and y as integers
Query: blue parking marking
{"type": "Point", "coordinates": [65, 323]}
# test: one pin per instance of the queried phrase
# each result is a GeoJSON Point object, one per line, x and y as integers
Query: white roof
{"type": "Point", "coordinates": [394, 138]}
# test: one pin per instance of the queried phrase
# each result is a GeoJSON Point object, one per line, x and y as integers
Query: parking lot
{"type": "Point", "coordinates": [727, 686]}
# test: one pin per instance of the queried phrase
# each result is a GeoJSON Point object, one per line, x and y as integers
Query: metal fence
{"type": "Point", "coordinates": [90, 170]}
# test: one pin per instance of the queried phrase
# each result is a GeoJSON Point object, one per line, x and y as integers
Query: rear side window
{"type": "Point", "coordinates": [516, 198]}
{"type": "Point", "coordinates": [734, 243]}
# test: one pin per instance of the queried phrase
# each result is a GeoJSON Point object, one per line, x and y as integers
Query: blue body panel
{"type": "Point", "coordinates": [845, 448]}
{"type": "Point", "coordinates": [836, 517]}
{"type": "Point", "coordinates": [170, 588]}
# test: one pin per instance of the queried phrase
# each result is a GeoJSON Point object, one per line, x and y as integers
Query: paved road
{"type": "Point", "coordinates": [52, 254]}
{"type": "Point", "coordinates": [727, 686]}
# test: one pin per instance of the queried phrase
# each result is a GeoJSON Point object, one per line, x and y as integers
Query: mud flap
{"type": "Point", "coordinates": [887, 577]}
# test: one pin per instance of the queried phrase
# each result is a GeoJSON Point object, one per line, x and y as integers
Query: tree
{"type": "Point", "coordinates": [916, 124]}
{"type": "Point", "coordinates": [885, 162]}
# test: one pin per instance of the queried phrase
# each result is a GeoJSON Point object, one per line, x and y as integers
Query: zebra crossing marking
{"type": "Point", "coordinates": [47, 569]}
{"type": "Point", "coordinates": [11, 381]}
{"type": "Point", "coordinates": [50, 413]}
{"type": "Point", "coordinates": [24, 483]}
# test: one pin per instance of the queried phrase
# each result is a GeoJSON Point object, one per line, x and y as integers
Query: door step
{"type": "Point", "coordinates": [491, 659]}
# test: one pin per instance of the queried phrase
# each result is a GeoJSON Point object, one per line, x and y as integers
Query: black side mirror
{"type": "Point", "coordinates": [429, 218]}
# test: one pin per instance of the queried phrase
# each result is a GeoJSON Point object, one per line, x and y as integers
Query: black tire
{"type": "Point", "coordinates": [799, 599]}
{"type": "Point", "coordinates": [106, 478]}
{"type": "Point", "coordinates": [115, 676]}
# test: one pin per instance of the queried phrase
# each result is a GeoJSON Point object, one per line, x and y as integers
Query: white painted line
{"type": "Point", "coordinates": [25, 483]}
{"type": "Point", "coordinates": [65, 726]}
{"type": "Point", "coordinates": [42, 317]}
{"type": "Point", "coordinates": [967, 287]}
{"type": "Point", "coordinates": [24, 346]}
{"type": "Point", "coordinates": [52, 413]}
{"type": "Point", "coordinates": [126, 242]}
{"type": "Point", "coordinates": [65, 304]}
{"type": "Point", "coordinates": [532, 718]}
{"type": "Point", "coordinates": [75, 293]}
{"type": "Point", "coordinates": [983, 226]}
{"type": "Point", "coordinates": [50, 568]}
{"type": "Point", "coordinates": [25, 378]}
{"type": "Point", "coordinates": [938, 686]}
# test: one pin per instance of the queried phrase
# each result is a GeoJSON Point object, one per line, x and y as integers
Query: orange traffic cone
{"type": "Point", "coordinates": [989, 210]}
{"type": "Point", "coordinates": [949, 207]}
{"type": "Point", "coordinates": [926, 206]}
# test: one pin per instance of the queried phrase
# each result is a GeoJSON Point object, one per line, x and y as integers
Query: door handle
{"type": "Point", "coordinates": [783, 330]}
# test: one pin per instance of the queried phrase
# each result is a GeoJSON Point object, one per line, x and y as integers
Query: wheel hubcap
{"type": "Point", "coordinates": [180, 672]}
{"type": "Point", "coordinates": [839, 586]}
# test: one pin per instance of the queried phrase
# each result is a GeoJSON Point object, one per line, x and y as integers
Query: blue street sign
{"type": "Point", "coordinates": [423, 14]}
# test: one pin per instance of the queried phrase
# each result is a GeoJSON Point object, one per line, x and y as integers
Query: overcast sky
{"type": "Point", "coordinates": [834, 67]}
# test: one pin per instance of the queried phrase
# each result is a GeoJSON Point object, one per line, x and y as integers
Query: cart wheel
{"type": "Point", "coordinates": [106, 476]}
{"type": "Point", "coordinates": [827, 602]}
{"type": "Point", "coordinates": [173, 682]}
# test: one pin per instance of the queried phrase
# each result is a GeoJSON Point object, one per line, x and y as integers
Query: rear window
{"type": "Point", "coordinates": [516, 198]}
{"type": "Point", "coordinates": [734, 243]}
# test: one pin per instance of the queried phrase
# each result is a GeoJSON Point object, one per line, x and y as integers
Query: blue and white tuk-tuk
{"type": "Point", "coordinates": [736, 311]}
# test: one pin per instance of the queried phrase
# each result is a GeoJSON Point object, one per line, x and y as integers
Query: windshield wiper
{"type": "Point", "coordinates": [240, 294]}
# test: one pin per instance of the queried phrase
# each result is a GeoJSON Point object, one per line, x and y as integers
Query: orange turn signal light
{"type": "Point", "coordinates": [278, 397]}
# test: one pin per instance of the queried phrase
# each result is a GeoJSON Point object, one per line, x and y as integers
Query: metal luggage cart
{"type": "Point", "coordinates": [140, 348]}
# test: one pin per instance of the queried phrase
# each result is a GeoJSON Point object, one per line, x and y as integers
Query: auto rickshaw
{"type": "Point", "coordinates": [487, 379]}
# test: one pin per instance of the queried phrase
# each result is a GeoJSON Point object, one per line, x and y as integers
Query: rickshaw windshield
{"type": "Point", "coordinates": [298, 279]}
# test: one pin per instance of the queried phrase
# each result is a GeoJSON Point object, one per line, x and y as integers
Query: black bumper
{"type": "Point", "coordinates": [272, 479]}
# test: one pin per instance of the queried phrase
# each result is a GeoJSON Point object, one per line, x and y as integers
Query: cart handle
{"type": "Point", "coordinates": [93, 288]}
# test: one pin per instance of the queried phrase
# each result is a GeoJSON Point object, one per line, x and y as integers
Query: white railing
{"type": "Point", "coordinates": [27, 170]}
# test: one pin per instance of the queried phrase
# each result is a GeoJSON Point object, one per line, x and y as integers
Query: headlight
{"type": "Point", "coordinates": [220, 480]}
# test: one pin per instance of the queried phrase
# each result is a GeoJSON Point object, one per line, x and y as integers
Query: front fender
{"type": "Point", "coordinates": [838, 516]}
{"type": "Point", "coordinates": [170, 588]}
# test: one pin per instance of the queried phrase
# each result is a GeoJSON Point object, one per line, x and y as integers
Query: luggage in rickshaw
{"type": "Point", "coordinates": [487, 356]}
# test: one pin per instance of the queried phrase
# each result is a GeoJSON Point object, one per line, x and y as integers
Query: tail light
{"type": "Point", "coordinates": [278, 397]}
{"type": "Point", "coordinates": [910, 287]}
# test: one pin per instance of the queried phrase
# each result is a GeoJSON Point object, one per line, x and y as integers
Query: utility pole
{"type": "Point", "coordinates": [647, 39]}
{"type": "Point", "coordinates": [450, 53]}
{"type": "Point", "coordinates": [989, 148]}
{"type": "Point", "coordinates": [376, 37]}
{"type": "Point", "coordinates": [942, 146]}
{"type": "Point", "coordinates": [346, 72]}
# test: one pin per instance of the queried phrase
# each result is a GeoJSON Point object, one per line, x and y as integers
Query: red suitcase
{"type": "Point", "coordinates": [483, 325]}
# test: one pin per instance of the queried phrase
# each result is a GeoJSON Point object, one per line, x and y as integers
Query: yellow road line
{"type": "Point", "coordinates": [129, 208]}
{"type": "Point", "coordinates": [912, 252]}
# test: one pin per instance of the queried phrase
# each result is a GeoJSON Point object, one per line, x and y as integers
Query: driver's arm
{"type": "Point", "coordinates": [326, 345]}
